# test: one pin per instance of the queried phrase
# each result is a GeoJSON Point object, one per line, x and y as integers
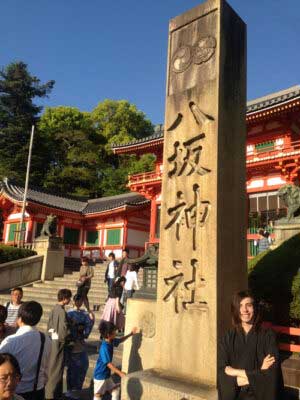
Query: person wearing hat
{"type": "Point", "coordinates": [81, 324]}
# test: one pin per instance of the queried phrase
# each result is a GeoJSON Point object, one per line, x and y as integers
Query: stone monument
{"type": "Point", "coordinates": [202, 255]}
{"type": "Point", "coordinates": [49, 245]}
{"type": "Point", "coordinates": [287, 227]}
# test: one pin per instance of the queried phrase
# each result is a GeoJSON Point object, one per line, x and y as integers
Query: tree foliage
{"type": "Point", "coordinates": [76, 151]}
{"type": "Point", "coordinates": [72, 151]}
{"type": "Point", "coordinates": [120, 122]}
{"type": "Point", "coordinates": [18, 112]}
{"type": "Point", "coordinates": [81, 159]}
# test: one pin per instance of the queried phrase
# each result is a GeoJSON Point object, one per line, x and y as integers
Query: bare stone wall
{"type": "Point", "coordinates": [20, 272]}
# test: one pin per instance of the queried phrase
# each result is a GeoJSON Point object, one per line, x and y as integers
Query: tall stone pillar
{"type": "Point", "coordinates": [202, 256]}
{"type": "Point", "coordinates": [203, 219]}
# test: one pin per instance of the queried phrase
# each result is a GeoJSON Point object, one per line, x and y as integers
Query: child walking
{"type": "Point", "coordinates": [104, 366]}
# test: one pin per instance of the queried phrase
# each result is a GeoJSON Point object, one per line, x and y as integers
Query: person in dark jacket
{"type": "Point", "coordinates": [248, 358]}
{"type": "Point", "coordinates": [59, 330]}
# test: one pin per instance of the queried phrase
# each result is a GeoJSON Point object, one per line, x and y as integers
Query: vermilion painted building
{"type": "Point", "coordinates": [93, 227]}
{"type": "Point", "coordinates": [273, 159]}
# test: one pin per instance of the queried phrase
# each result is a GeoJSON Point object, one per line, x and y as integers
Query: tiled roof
{"type": "Point", "coordinates": [68, 203]}
{"type": "Point", "coordinates": [41, 196]}
{"type": "Point", "coordinates": [158, 134]}
{"type": "Point", "coordinates": [252, 106]}
{"type": "Point", "coordinates": [113, 202]}
{"type": "Point", "coordinates": [273, 99]}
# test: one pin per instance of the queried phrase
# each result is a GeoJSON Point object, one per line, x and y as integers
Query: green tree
{"type": "Point", "coordinates": [77, 151]}
{"type": "Point", "coordinates": [120, 122]}
{"type": "Point", "coordinates": [114, 179]}
{"type": "Point", "coordinates": [18, 89]}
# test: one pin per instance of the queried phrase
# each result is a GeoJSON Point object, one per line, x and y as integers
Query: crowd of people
{"type": "Point", "coordinates": [32, 363]}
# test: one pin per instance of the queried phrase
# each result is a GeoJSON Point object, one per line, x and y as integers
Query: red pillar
{"type": "Point", "coordinates": [125, 232]}
{"type": "Point", "coordinates": [153, 220]}
{"type": "Point", "coordinates": [29, 231]}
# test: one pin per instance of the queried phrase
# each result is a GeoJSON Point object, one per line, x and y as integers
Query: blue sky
{"type": "Point", "coordinates": [97, 49]}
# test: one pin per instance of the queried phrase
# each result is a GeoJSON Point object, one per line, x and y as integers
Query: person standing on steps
{"type": "Point", "coordinates": [32, 350]}
{"type": "Point", "coordinates": [13, 306]}
{"type": "Point", "coordinates": [5, 330]}
{"type": "Point", "coordinates": [131, 285]}
{"type": "Point", "coordinates": [113, 308]}
{"type": "Point", "coordinates": [263, 241]}
{"type": "Point", "coordinates": [77, 361]}
{"type": "Point", "coordinates": [86, 274]}
{"type": "Point", "coordinates": [123, 265]}
{"type": "Point", "coordinates": [59, 330]}
{"type": "Point", "coordinates": [111, 271]}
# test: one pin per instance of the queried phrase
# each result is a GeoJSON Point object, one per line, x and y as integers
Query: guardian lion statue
{"type": "Point", "coordinates": [290, 194]}
{"type": "Point", "coordinates": [50, 226]}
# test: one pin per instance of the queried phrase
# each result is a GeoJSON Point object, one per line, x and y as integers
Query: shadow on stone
{"type": "Point", "coordinates": [134, 389]}
{"type": "Point", "coordinates": [135, 361]}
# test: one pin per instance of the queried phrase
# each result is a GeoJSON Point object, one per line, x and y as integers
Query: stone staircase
{"type": "Point", "coordinates": [46, 294]}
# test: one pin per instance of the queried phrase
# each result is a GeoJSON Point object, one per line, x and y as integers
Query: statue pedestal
{"type": "Point", "coordinates": [52, 249]}
{"type": "Point", "coordinates": [284, 230]}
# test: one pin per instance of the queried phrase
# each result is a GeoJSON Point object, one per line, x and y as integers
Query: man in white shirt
{"type": "Point", "coordinates": [26, 346]}
{"type": "Point", "coordinates": [111, 271]}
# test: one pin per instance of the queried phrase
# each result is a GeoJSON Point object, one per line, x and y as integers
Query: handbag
{"type": "Point", "coordinates": [79, 284]}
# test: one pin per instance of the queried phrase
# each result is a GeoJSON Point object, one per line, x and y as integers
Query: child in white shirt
{"type": "Point", "coordinates": [131, 285]}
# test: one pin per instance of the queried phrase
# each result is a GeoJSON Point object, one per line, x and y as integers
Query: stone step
{"type": "Point", "coordinates": [75, 278]}
{"type": "Point", "coordinates": [52, 294]}
{"type": "Point", "coordinates": [64, 284]}
{"type": "Point", "coordinates": [48, 288]}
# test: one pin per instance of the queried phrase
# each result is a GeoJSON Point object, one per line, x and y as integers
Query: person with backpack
{"type": "Point", "coordinates": [32, 350]}
{"type": "Point", "coordinates": [77, 361]}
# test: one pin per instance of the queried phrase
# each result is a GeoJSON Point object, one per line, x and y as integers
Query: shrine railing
{"type": "Point", "coordinates": [278, 151]}
{"type": "Point", "coordinates": [144, 177]}
{"type": "Point", "coordinates": [289, 331]}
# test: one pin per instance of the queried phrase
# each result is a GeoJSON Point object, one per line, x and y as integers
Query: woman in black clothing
{"type": "Point", "coordinates": [248, 358]}
{"type": "Point", "coordinates": [113, 308]}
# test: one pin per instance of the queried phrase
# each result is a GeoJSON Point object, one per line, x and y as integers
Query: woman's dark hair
{"type": "Point", "coordinates": [3, 314]}
{"type": "Point", "coordinates": [18, 289]}
{"type": "Point", "coordinates": [235, 309]}
{"type": "Point", "coordinates": [85, 259]}
{"type": "Point", "coordinates": [106, 328]}
{"type": "Point", "coordinates": [64, 294]}
{"type": "Point", "coordinates": [261, 232]}
{"type": "Point", "coordinates": [30, 312]}
{"type": "Point", "coordinates": [7, 357]}
{"type": "Point", "coordinates": [112, 255]}
{"type": "Point", "coordinates": [77, 297]}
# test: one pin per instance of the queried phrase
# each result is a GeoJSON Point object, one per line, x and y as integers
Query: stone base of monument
{"type": "Point", "coordinates": [284, 230]}
{"type": "Point", "coordinates": [52, 249]}
{"type": "Point", "coordinates": [154, 384]}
